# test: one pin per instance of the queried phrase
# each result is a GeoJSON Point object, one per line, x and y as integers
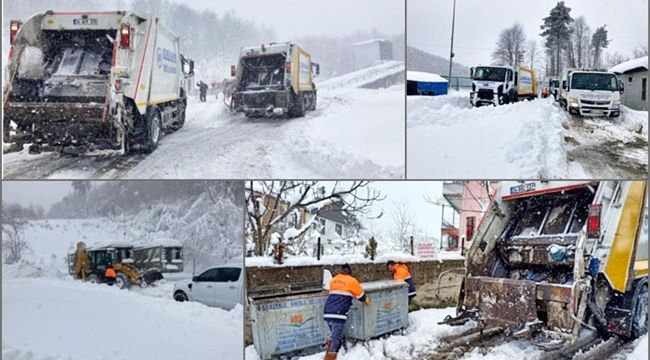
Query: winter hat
{"type": "Point", "coordinates": [390, 262]}
{"type": "Point", "coordinates": [346, 269]}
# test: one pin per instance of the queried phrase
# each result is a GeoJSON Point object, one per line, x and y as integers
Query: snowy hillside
{"type": "Point", "coordinates": [418, 60]}
{"type": "Point", "coordinates": [450, 139]}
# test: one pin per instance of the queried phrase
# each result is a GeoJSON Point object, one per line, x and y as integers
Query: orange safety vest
{"type": "Point", "coordinates": [346, 285]}
{"type": "Point", "coordinates": [401, 272]}
{"type": "Point", "coordinates": [110, 272]}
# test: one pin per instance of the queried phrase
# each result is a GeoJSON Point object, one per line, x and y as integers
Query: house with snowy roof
{"type": "Point", "coordinates": [634, 75]}
{"type": "Point", "coordinates": [335, 224]}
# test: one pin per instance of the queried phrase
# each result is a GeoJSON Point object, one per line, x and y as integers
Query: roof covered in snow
{"type": "Point", "coordinates": [636, 64]}
{"type": "Point", "coordinates": [160, 242]}
{"type": "Point", "coordinates": [370, 42]}
{"type": "Point", "coordinates": [424, 77]}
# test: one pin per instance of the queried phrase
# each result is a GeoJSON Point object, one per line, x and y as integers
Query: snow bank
{"type": "Point", "coordinates": [630, 65]}
{"type": "Point", "coordinates": [259, 261]}
{"type": "Point", "coordinates": [640, 349]}
{"type": "Point", "coordinates": [141, 327]}
{"type": "Point", "coordinates": [424, 76]}
{"type": "Point", "coordinates": [419, 339]}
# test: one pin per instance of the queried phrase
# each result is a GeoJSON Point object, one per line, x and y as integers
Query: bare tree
{"type": "Point", "coordinates": [13, 242]}
{"type": "Point", "coordinates": [580, 39]}
{"type": "Point", "coordinates": [402, 224]}
{"type": "Point", "coordinates": [640, 51]}
{"type": "Point", "coordinates": [511, 46]}
{"type": "Point", "coordinates": [531, 53]}
{"type": "Point", "coordinates": [615, 58]}
{"type": "Point", "coordinates": [269, 204]}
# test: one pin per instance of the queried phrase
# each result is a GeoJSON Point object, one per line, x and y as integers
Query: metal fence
{"type": "Point", "coordinates": [459, 82]}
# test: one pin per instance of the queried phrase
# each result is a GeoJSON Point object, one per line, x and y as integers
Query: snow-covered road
{"type": "Point", "coordinates": [354, 133]}
{"type": "Point", "coordinates": [448, 139]}
{"type": "Point", "coordinates": [66, 319]}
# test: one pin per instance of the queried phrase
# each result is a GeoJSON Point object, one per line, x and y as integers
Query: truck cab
{"type": "Point", "coordinates": [274, 80]}
{"type": "Point", "coordinates": [591, 93]}
{"type": "Point", "coordinates": [497, 85]}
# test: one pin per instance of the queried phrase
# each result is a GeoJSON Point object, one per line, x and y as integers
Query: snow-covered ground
{"type": "Point", "coordinates": [423, 336]}
{"type": "Point", "coordinates": [447, 138]}
{"type": "Point", "coordinates": [353, 133]}
{"type": "Point", "coordinates": [66, 319]}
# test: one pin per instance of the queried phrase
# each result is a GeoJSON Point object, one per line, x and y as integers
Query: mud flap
{"type": "Point", "coordinates": [500, 301]}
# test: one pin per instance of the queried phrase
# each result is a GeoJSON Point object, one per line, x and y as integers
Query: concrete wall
{"type": "Point", "coordinates": [424, 273]}
{"type": "Point", "coordinates": [633, 84]}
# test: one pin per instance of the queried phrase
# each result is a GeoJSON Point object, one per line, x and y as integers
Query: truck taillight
{"type": "Point", "coordinates": [125, 36]}
{"type": "Point", "coordinates": [233, 70]}
{"type": "Point", "coordinates": [287, 67]}
{"type": "Point", "coordinates": [13, 30]}
{"type": "Point", "coordinates": [593, 221]}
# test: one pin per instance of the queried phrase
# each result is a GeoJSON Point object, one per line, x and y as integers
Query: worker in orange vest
{"type": "Point", "coordinates": [110, 274]}
{"type": "Point", "coordinates": [401, 272]}
{"type": "Point", "coordinates": [343, 288]}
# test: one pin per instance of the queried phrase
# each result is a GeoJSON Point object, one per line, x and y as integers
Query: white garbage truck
{"type": "Point", "coordinates": [591, 93]}
{"type": "Point", "coordinates": [93, 80]}
{"type": "Point", "coordinates": [497, 85]}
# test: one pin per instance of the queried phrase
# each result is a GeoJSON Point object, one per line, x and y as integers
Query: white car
{"type": "Point", "coordinates": [220, 286]}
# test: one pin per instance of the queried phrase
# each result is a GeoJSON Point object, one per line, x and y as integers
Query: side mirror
{"type": "Point", "coordinates": [564, 87]}
{"type": "Point", "coordinates": [194, 278]}
{"type": "Point", "coordinates": [233, 70]}
{"type": "Point", "coordinates": [621, 87]}
{"type": "Point", "coordinates": [316, 69]}
{"type": "Point", "coordinates": [471, 72]}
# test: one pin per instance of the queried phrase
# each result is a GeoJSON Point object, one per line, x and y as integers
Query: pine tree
{"type": "Point", "coordinates": [599, 41]}
{"type": "Point", "coordinates": [556, 29]}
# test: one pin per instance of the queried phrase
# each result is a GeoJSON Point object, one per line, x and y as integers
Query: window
{"type": "Point", "coordinates": [629, 79]}
{"type": "Point", "coordinates": [208, 275]}
{"type": "Point", "coordinates": [339, 229]}
{"type": "Point", "coordinates": [644, 88]}
{"type": "Point", "coordinates": [228, 274]}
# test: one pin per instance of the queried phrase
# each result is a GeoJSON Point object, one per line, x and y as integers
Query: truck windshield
{"type": "Point", "coordinates": [489, 74]}
{"type": "Point", "coordinates": [263, 71]}
{"type": "Point", "coordinates": [594, 81]}
{"type": "Point", "coordinates": [555, 83]}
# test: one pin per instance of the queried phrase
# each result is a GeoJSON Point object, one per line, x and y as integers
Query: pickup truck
{"type": "Point", "coordinates": [219, 286]}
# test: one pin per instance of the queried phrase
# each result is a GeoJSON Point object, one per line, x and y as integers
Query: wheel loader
{"type": "Point", "coordinates": [120, 257]}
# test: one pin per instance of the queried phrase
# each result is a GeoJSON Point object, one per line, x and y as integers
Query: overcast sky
{"type": "Point", "coordinates": [44, 193]}
{"type": "Point", "coordinates": [426, 216]}
{"type": "Point", "coordinates": [478, 24]}
{"type": "Point", "coordinates": [298, 18]}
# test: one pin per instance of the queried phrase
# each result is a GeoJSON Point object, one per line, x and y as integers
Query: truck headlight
{"type": "Point", "coordinates": [616, 102]}
{"type": "Point", "coordinates": [573, 104]}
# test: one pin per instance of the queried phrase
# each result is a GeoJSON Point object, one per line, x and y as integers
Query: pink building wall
{"type": "Point", "coordinates": [475, 201]}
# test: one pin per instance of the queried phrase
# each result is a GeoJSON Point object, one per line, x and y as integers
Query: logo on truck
{"type": "Point", "coordinates": [85, 21]}
{"type": "Point", "coordinates": [166, 60]}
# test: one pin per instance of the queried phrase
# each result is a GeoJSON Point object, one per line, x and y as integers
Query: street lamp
{"type": "Point", "coordinates": [451, 50]}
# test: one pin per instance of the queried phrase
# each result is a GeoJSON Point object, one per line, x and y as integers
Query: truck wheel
{"type": "Point", "coordinates": [182, 106]}
{"type": "Point", "coordinates": [180, 296]}
{"type": "Point", "coordinates": [297, 105]}
{"type": "Point", "coordinates": [153, 130]}
{"type": "Point", "coordinates": [121, 281]}
{"type": "Point", "coordinates": [640, 311]}
{"type": "Point", "coordinates": [313, 103]}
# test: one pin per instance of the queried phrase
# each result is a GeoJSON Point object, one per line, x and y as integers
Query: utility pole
{"type": "Point", "coordinates": [451, 50]}
{"type": "Point", "coordinates": [442, 223]}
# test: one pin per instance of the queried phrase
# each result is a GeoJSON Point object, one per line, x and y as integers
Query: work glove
{"type": "Point", "coordinates": [367, 302]}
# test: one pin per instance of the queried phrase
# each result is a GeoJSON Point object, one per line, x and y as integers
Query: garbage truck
{"type": "Point", "coordinates": [96, 80]}
{"type": "Point", "coordinates": [497, 85]}
{"type": "Point", "coordinates": [274, 80]}
{"type": "Point", "coordinates": [591, 93]}
{"type": "Point", "coordinates": [560, 262]}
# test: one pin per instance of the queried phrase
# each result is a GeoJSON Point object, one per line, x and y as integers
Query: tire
{"type": "Point", "coordinates": [180, 296]}
{"type": "Point", "coordinates": [640, 311]}
{"type": "Point", "coordinates": [152, 131]}
{"type": "Point", "coordinates": [93, 279]}
{"type": "Point", "coordinates": [181, 115]}
{"type": "Point", "coordinates": [297, 108]}
{"type": "Point", "coordinates": [313, 103]}
{"type": "Point", "coordinates": [121, 281]}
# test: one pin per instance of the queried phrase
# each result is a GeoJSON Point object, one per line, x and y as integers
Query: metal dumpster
{"type": "Point", "coordinates": [289, 323]}
{"type": "Point", "coordinates": [387, 312]}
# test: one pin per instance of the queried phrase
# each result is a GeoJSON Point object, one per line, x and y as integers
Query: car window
{"type": "Point", "coordinates": [208, 275]}
{"type": "Point", "coordinates": [228, 274]}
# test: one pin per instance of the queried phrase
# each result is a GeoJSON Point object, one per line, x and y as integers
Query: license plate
{"type": "Point", "coordinates": [84, 21]}
{"type": "Point", "coordinates": [522, 188]}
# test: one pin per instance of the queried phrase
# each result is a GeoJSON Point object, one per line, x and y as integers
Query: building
{"type": "Point", "coordinates": [423, 83]}
{"type": "Point", "coordinates": [370, 52]}
{"type": "Point", "coordinates": [468, 201]}
{"type": "Point", "coordinates": [634, 76]}
{"type": "Point", "coordinates": [335, 225]}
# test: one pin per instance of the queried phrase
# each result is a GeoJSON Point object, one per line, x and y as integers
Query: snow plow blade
{"type": "Point", "coordinates": [502, 302]}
